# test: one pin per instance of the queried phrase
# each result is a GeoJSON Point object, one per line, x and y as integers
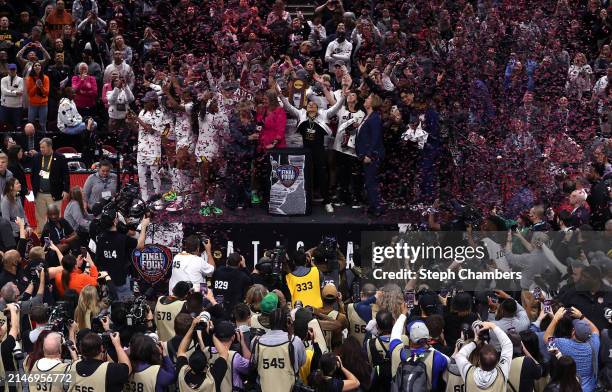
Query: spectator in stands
{"type": "Point", "coordinates": [85, 90]}
{"type": "Point", "coordinates": [75, 212]}
{"type": "Point", "coordinates": [11, 206]}
{"type": "Point", "coordinates": [5, 173]}
{"type": "Point", "coordinates": [121, 67]}
{"type": "Point", "coordinates": [15, 159]}
{"type": "Point", "coordinates": [56, 21]}
{"type": "Point", "coordinates": [100, 185]}
{"type": "Point", "coordinates": [12, 98]}
{"type": "Point", "coordinates": [69, 118]}
{"type": "Point", "coordinates": [119, 97]}
{"type": "Point", "coordinates": [37, 84]}
{"type": "Point", "coordinates": [50, 181]}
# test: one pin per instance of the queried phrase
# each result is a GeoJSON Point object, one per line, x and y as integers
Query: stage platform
{"type": "Point", "coordinates": [253, 230]}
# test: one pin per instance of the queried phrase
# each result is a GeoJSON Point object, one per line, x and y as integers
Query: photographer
{"type": "Point", "coordinates": [10, 294]}
{"type": "Point", "coordinates": [189, 266]}
{"type": "Point", "coordinates": [182, 323]}
{"type": "Point", "coordinates": [52, 363]}
{"type": "Point", "coordinates": [9, 343]}
{"type": "Point", "coordinates": [152, 369]}
{"type": "Point", "coordinates": [231, 282]}
{"type": "Point", "coordinates": [404, 359]}
{"type": "Point", "coordinates": [278, 355]}
{"type": "Point", "coordinates": [304, 282]}
{"type": "Point", "coordinates": [237, 361]}
{"type": "Point", "coordinates": [72, 276]}
{"type": "Point", "coordinates": [113, 252]}
{"type": "Point", "coordinates": [192, 372]}
{"type": "Point", "coordinates": [94, 372]}
{"type": "Point", "coordinates": [168, 307]}
{"type": "Point", "coordinates": [328, 258]}
{"type": "Point", "coordinates": [582, 346]}
{"type": "Point", "coordinates": [332, 316]}
{"type": "Point", "coordinates": [491, 374]}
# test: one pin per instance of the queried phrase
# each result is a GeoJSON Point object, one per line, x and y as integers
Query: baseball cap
{"type": "Point", "coordinates": [338, 63]}
{"type": "Point", "coordinates": [329, 291]}
{"type": "Point", "coordinates": [582, 330]}
{"type": "Point", "coordinates": [428, 301]}
{"type": "Point", "coordinates": [269, 303]}
{"type": "Point", "coordinates": [12, 66]}
{"type": "Point", "coordinates": [224, 330]}
{"type": "Point", "coordinates": [418, 331]}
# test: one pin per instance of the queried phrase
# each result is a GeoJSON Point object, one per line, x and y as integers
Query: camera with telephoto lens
{"type": "Point", "coordinates": [483, 334]}
{"type": "Point", "coordinates": [204, 319]}
{"type": "Point", "coordinates": [137, 314]}
{"type": "Point", "coordinates": [34, 273]}
{"type": "Point", "coordinates": [327, 253]}
{"type": "Point", "coordinates": [278, 256]}
{"type": "Point", "coordinates": [59, 316]}
{"type": "Point", "coordinates": [97, 325]}
{"type": "Point", "coordinates": [18, 354]}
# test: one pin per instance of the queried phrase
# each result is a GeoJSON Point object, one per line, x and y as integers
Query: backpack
{"type": "Point", "coordinates": [382, 367]}
{"type": "Point", "coordinates": [411, 376]}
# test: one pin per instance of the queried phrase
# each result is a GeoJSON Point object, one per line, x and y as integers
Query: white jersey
{"type": "Point", "coordinates": [149, 144]}
{"type": "Point", "coordinates": [213, 127]}
{"type": "Point", "coordinates": [182, 127]}
{"type": "Point", "coordinates": [346, 119]}
{"type": "Point", "coordinates": [189, 268]}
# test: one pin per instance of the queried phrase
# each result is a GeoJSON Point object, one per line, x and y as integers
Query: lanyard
{"type": "Point", "coordinates": [42, 163]}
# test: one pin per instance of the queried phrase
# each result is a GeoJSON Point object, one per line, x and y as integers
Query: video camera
{"type": "Point", "coordinates": [127, 206]}
{"type": "Point", "coordinates": [277, 257]}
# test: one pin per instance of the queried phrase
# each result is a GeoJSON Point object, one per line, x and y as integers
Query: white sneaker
{"type": "Point", "coordinates": [158, 205]}
{"type": "Point", "coordinates": [329, 208]}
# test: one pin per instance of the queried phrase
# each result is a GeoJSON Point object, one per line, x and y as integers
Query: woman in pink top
{"type": "Point", "coordinates": [85, 91]}
{"type": "Point", "coordinates": [272, 120]}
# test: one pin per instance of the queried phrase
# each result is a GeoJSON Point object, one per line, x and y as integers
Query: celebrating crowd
{"type": "Point", "coordinates": [489, 117]}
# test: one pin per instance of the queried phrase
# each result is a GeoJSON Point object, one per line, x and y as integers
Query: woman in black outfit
{"type": "Point", "coordinates": [15, 157]}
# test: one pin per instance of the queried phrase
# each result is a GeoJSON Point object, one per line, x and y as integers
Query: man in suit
{"type": "Point", "coordinates": [370, 151]}
{"type": "Point", "coordinates": [29, 140]}
{"type": "Point", "coordinates": [50, 181]}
